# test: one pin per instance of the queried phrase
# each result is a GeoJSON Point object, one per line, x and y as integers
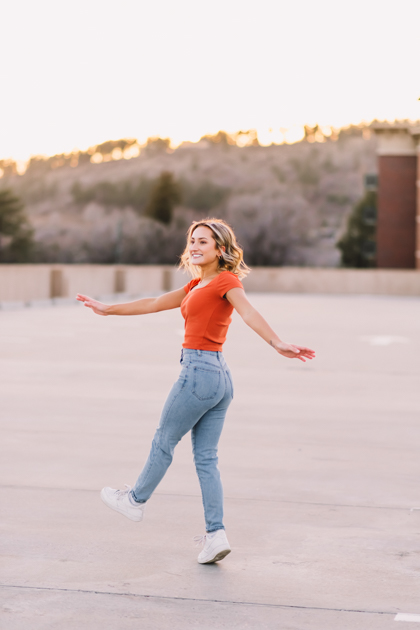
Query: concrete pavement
{"type": "Point", "coordinates": [319, 461]}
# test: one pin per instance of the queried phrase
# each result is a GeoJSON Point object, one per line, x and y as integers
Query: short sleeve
{"type": "Point", "coordinates": [191, 284]}
{"type": "Point", "coordinates": [228, 281]}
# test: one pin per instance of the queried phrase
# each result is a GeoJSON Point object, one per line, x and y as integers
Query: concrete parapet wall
{"type": "Point", "coordinates": [347, 281]}
{"type": "Point", "coordinates": [26, 283]}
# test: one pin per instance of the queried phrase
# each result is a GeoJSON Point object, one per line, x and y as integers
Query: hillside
{"type": "Point", "coordinates": [288, 204]}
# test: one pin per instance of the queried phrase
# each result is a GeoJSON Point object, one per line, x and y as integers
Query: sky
{"type": "Point", "coordinates": [74, 74]}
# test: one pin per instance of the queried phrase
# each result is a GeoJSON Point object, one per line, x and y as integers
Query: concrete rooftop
{"type": "Point", "coordinates": [320, 464]}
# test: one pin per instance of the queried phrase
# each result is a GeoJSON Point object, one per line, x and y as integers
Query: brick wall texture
{"type": "Point", "coordinates": [418, 213]}
{"type": "Point", "coordinates": [396, 227]}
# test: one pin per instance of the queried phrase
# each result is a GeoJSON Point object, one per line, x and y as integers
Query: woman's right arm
{"type": "Point", "coordinates": [164, 302]}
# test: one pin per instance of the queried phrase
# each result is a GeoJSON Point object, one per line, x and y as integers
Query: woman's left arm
{"type": "Point", "coordinates": [256, 321]}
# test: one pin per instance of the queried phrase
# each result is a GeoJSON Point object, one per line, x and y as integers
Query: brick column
{"type": "Point", "coordinates": [416, 135]}
{"type": "Point", "coordinates": [397, 198]}
{"type": "Point", "coordinates": [418, 211]}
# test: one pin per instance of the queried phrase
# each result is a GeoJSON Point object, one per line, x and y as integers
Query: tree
{"type": "Point", "coordinates": [157, 145]}
{"type": "Point", "coordinates": [16, 234]}
{"type": "Point", "coordinates": [165, 195]}
{"type": "Point", "coordinates": [358, 245]}
{"type": "Point", "coordinates": [221, 137]}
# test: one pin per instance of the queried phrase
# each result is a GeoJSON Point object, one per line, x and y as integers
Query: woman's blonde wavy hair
{"type": "Point", "coordinates": [232, 259]}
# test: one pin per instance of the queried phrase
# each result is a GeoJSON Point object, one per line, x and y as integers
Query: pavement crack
{"type": "Point", "coordinates": [198, 599]}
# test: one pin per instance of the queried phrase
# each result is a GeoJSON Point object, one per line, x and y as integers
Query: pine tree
{"type": "Point", "coordinates": [358, 245]}
{"type": "Point", "coordinates": [16, 234]}
{"type": "Point", "coordinates": [165, 195]}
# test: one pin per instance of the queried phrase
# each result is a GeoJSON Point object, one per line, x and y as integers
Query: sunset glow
{"type": "Point", "coordinates": [81, 73]}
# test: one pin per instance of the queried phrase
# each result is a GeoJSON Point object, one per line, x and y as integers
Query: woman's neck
{"type": "Point", "coordinates": [208, 274]}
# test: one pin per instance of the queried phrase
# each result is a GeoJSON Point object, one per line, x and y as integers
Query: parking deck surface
{"type": "Point", "coordinates": [320, 464]}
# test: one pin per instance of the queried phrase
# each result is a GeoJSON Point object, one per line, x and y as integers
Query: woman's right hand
{"type": "Point", "coordinates": [97, 307]}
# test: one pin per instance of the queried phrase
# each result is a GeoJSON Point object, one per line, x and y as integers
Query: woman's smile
{"type": "Point", "coordinates": [203, 250]}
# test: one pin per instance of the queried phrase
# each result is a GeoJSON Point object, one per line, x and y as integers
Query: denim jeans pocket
{"type": "Point", "coordinates": [206, 383]}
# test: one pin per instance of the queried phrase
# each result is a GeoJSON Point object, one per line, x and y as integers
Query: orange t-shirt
{"type": "Point", "coordinates": [207, 313]}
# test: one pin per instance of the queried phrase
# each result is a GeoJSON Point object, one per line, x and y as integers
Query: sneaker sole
{"type": "Point", "coordinates": [132, 518]}
{"type": "Point", "coordinates": [217, 557]}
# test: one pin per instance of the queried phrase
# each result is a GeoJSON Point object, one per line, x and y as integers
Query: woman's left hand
{"type": "Point", "coordinates": [291, 351]}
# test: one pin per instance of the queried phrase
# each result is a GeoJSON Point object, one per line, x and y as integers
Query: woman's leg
{"type": "Point", "coordinates": [183, 409]}
{"type": "Point", "coordinates": [205, 437]}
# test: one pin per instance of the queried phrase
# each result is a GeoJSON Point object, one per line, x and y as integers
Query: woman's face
{"type": "Point", "coordinates": [202, 248]}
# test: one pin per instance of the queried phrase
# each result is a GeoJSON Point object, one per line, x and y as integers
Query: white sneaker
{"type": "Point", "coordinates": [119, 501]}
{"type": "Point", "coordinates": [216, 546]}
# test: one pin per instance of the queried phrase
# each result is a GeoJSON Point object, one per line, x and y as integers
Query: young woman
{"type": "Point", "coordinates": [203, 392]}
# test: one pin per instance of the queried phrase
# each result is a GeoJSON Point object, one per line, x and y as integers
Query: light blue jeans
{"type": "Point", "coordinates": [198, 402]}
